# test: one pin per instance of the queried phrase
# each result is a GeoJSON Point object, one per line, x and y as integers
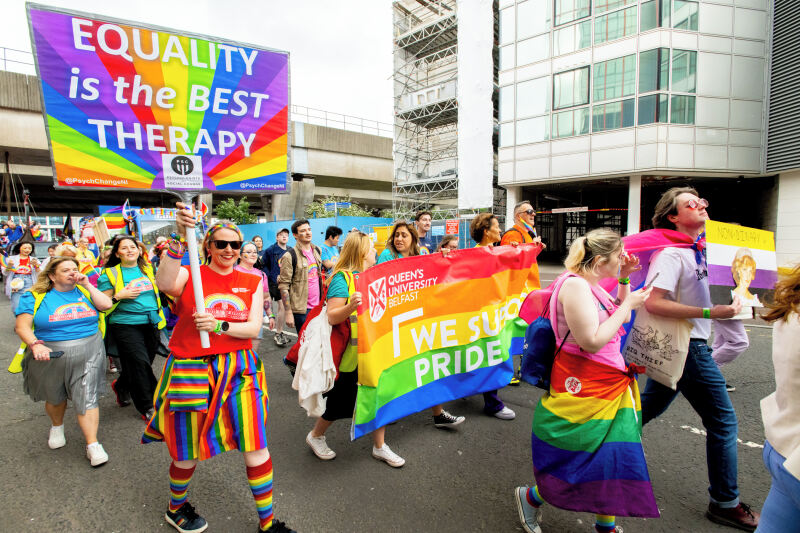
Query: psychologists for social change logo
{"type": "Point", "coordinates": [182, 171]}
{"type": "Point", "coordinates": [377, 299]}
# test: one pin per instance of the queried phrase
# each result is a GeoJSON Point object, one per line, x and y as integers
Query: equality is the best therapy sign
{"type": "Point", "coordinates": [135, 107]}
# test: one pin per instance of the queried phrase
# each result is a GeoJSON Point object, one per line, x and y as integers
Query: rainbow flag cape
{"type": "Point", "coordinates": [433, 329]}
{"type": "Point", "coordinates": [37, 234]}
{"type": "Point", "coordinates": [586, 441]}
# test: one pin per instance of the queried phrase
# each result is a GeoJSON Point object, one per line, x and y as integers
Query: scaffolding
{"type": "Point", "coordinates": [426, 109]}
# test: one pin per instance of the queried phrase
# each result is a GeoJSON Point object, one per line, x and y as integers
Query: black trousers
{"type": "Point", "coordinates": [137, 345]}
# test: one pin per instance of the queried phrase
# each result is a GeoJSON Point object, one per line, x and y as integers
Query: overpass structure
{"type": "Point", "coordinates": [328, 158]}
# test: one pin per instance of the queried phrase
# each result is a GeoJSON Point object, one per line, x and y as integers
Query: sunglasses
{"type": "Point", "coordinates": [221, 245]}
{"type": "Point", "coordinates": [702, 203]}
{"type": "Point", "coordinates": [531, 211]}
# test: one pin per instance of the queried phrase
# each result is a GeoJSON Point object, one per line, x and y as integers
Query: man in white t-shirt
{"type": "Point", "coordinates": [684, 270]}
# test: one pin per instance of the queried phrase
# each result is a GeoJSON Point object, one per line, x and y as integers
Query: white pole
{"type": "Point", "coordinates": [194, 266]}
{"type": "Point", "coordinates": [634, 203]}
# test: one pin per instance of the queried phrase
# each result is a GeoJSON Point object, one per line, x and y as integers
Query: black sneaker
{"type": "Point", "coordinates": [446, 420]}
{"type": "Point", "coordinates": [277, 527]}
{"type": "Point", "coordinates": [186, 520]}
{"type": "Point", "coordinates": [123, 397]}
{"type": "Point", "coordinates": [729, 387]}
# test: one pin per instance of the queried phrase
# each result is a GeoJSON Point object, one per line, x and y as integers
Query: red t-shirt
{"type": "Point", "coordinates": [24, 266]}
{"type": "Point", "coordinates": [228, 298]}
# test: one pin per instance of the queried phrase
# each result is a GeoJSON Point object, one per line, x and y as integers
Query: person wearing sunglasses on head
{"type": "Point", "coordinates": [212, 400]}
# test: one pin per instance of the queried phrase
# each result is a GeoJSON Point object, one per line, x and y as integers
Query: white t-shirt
{"type": "Point", "coordinates": [679, 269]}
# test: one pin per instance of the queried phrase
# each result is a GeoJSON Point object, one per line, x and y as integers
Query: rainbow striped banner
{"type": "Point", "coordinates": [134, 107]}
{"type": "Point", "coordinates": [114, 219]}
{"type": "Point", "coordinates": [433, 329]}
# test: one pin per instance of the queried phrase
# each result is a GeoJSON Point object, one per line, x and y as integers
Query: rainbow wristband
{"type": "Point", "coordinates": [706, 312]}
{"type": "Point", "coordinates": [174, 254]}
{"type": "Point", "coordinates": [624, 281]}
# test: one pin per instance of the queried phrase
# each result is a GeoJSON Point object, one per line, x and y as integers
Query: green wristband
{"type": "Point", "coordinates": [218, 327]}
{"type": "Point", "coordinates": [624, 281]}
{"type": "Point", "coordinates": [706, 312]}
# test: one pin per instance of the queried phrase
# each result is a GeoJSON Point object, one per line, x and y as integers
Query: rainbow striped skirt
{"type": "Point", "coordinates": [205, 408]}
{"type": "Point", "coordinates": [587, 441]}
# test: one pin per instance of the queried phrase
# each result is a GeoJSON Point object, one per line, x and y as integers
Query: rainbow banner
{"type": "Point", "coordinates": [433, 329]}
{"type": "Point", "coordinates": [114, 219]}
{"type": "Point", "coordinates": [128, 106]}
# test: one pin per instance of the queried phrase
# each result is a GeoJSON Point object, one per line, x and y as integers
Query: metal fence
{"type": "Point", "coordinates": [340, 121]}
{"type": "Point", "coordinates": [14, 60]}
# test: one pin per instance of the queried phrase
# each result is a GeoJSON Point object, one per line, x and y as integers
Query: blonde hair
{"type": "Point", "coordinates": [744, 259]}
{"type": "Point", "coordinates": [786, 298]}
{"type": "Point", "coordinates": [63, 249]}
{"type": "Point", "coordinates": [43, 282]}
{"type": "Point", "coordinates": [351, 258]}
{"type": "Point", "coordinates": [595, 247]}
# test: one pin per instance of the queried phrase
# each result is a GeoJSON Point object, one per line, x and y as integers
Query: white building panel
{"type": "Point", "coordinates": [747, 80]}
{"type": "Point", "coordinates": [613, 160]}
{"type": "Point", "coordinates": [569, 146]}
{"type": "Point", "coordinates": [646, 156]}
{"type": "Point", "coordinates": [744, 159]}
{"type": "Point", "coordinates": [612, 139]}
{"type": "Point", "coordinates": [707, 43]}
{"type": "Point", "coordinates": [563, 166]}
{"type": "Point", "coordinates": [711, 136]}
{"type": "Point", "coordinates": [711, 157]}
{"type": "Point", "coordinates": [712, 112]}
{"type": "Point", "coordinates": [715, 19]}
{"type": "Point", "coordinates": [750, 24]}
{"type": "Point", "coordinates": [505, 172]}
{"type": "Point", "coordinates": [745, 138]}
{"type": "Point", "coordinates": [680, 155]}
{"type": "Point", "coordinates": [713, 74]}
{"type": "Point", "coordinates": [532, 169]}
{"type": "Point", "coordinates": [749, 48]}
{"type": "Point", "coordinates": [681, 134]}
{"type": "Point", "coordinates": [746, 115]}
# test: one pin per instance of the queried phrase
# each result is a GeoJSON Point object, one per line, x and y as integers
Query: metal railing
{"type": "Point", "coordinates": [319, 117]}
{"type": "Point", "coordinates": [14, 60]}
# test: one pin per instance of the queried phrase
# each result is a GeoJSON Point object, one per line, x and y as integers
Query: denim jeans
{"type": "Point", "coordinates": [781, 511]}
{"type": "Point", "coordinates": [299, 320]}
{"type": "Point", "coordinates": [703, 386]}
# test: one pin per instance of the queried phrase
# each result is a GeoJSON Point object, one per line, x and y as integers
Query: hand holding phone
{"type": "Point", "coordinates": [650, 283]}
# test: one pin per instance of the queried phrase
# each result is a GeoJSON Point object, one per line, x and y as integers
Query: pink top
{"type": "Point", "coordinates": [255, 272]}
{"type": "Point", "coordinates": [610, 354]}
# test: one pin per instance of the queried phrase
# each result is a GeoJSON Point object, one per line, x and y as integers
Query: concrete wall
{"type": "Point", "coordinates": [20, 91]}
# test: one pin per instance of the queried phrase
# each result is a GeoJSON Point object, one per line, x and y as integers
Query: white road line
{"type": "Point", "coordinates": [702, 432]}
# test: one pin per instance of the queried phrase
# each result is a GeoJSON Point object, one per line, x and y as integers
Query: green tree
{"type": "Point", "coordinates": [237, 213]}
{"type": "Point", "coordinates": [318, 210]}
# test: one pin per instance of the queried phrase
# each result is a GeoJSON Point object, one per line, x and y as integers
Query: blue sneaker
{"type": "Point", "coordinates": [186, 520]}
{"type": "Point", "coordinates": [529, 516]}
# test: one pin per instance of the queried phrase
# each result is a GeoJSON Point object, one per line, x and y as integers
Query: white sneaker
{"type": "Point", "coordinates": [96, 454]}
{"type": "Point", "coordinates": [388, 456]}
{"type": "Point", "coordinates": [320, 447]}
{"type": "Point", "coordinates": [57, 438]}
{"type": "Point", "coordinates": [505, 414]}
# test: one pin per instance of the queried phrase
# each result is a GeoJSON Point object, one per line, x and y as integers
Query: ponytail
{"type": "Point", "coordinates": [598, 243]}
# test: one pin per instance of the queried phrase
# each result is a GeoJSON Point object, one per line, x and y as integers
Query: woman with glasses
{"type": "Point", "coordinates": [247, 260]}
{"type": "Point", "coordinates": [133, 322]}
{"type": "Point", "coordinates": [212, 400]}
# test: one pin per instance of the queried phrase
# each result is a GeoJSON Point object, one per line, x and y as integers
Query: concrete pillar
{"type": "Point", "coordinates": [513, 196]}
{"type": "Point", "coordinates": [634, 204]}
{"type": "Point", "coordinates": [787, 234]}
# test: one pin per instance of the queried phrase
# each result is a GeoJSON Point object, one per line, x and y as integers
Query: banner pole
{"type": "Point", "coordinates": [194, 267]}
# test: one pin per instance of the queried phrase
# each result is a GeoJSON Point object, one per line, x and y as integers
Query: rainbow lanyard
{"type": "Point", "coordinates": [530, 228]}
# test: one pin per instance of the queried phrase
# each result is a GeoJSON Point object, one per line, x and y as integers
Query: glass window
{"type": "Point", "coordinates": [569, 10]}
{"type": "Point", "coordinates": [572, 38]}
{"type": "Point", "coordinates": [507, 103]}
{"type": "Point", "coordinates": [533, 97]}
{"type": "Point", "coordinates": [682, 109]}
{"type": "Point", "coordinates": [615, 25]}
{"type": "Point", "coordinates": [685, 15]}
{"type": "Point", "coordinates": [507, 134]}
{"type": "Point", "coordinates": [56, 220]}
{"type": "Point", "coordinates": [652, 108]}
{"type": "Point", "coordinates": [507, 25]}
{"type": "Point", "coordinates": [601, 6]}
{"type": "Point", "coordinates": [532, 50]}
{"type": "Point", "coordinates": [532, 130]}
{"type": "Point", "coordinates": [571, 88]}
{"type": "Point", "coordinates": [614, 78]}
{"type": "Point", "coordinates": [684, 71]}
{"type": "Point", "coordinates": [655, 14]}
{"type": "Point", "coordinates": [654, 70]}
{"type": "Point", "coordinates": [571, 122]}
{"type": "Point", "coordinates": [533, 18]}
{"type": "Point", "coordinates": [613, 115]}
{"type": "Point", "coordinates": [507, 57]}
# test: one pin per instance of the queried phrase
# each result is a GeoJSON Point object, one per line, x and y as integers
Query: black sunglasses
{"type": "Point", "coordinates": [221, 245]}
{"type": "Point", "coordinates": [531, 211]}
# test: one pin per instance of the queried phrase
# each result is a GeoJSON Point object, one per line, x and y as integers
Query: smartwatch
{"type": "Point", "coordinates": [114, 300]}
{"type": "Point", "coordinates": [224, 326]}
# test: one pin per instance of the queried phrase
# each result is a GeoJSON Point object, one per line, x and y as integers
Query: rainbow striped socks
{"type": "Point", "coordinates": [260, 480]}
{"type": "Point", "coordinates": [604, 523]}
{"type": "Point", "coordinates": [533, 496]}
{"type": "Point", "coordinates": [179, 479]}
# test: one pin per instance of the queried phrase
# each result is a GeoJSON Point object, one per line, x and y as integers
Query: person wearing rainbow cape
{"type": "Point", "coordinates": [212, 400]}
{"type": "Point", "coordinates": [586, 436]}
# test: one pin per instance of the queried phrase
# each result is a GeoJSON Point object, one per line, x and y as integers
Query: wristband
{"type": "Point", "coordinates": [37, 341]}
{"type": "Point", "coordinates": [218, 327]}
{"type": "Point", "coordinates": [706, 312]}
{"type": "Point", "coordinates": [174, 254]}
{"type": "Point", "coordinates": [624, 281]}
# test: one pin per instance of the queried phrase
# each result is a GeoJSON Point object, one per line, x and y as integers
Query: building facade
{"type": "Point", "coordinates": [604, 104]}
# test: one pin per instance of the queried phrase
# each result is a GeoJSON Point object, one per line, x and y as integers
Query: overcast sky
{"type": "Point", "coordinates": [341, 50]}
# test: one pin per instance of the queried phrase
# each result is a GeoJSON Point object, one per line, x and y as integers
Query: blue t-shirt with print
{"type": "Point", "coordinates": [62, 316]}
{"type": "Point", "coordinates": [140, 310]}
{"type": "Point", "coordinates": [426, 245]}
{"type": "Point", "coordinates": [329, 253]}
{"type": "Point", "coordinates": [338, 287]}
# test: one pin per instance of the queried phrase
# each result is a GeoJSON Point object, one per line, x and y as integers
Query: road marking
{"type": "Point", "coordinates": [702, 432]}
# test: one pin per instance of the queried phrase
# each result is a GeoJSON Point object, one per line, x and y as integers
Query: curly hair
{"type": "Point", "coordinates": [480, 225]}
{"type": "Point", "coordinates": [786, 298]}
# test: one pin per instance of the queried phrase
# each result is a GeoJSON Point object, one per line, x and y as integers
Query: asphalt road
{"type": "Point", "coordinates": [458, 480]}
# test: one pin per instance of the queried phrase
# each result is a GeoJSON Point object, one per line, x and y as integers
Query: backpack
{"type": "Point", "coordinates": [293, 254]}
{"type": "Point", "coordinates": [539, 348]}
{"type": "Point", "coordinates": [340, 333]}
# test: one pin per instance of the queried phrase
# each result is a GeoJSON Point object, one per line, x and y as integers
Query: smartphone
{"type": "Point", "coordinates": [652, 281]}
{"type": "Point", "coordinates": [56, 355]}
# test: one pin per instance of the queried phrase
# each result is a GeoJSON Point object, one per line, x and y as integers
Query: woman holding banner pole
{"type": "Point", "coordinates": [357, 255]}
{"type": "Point", "coordinates": [211, 400]}
{"type": "Point", "coordinates": [403, 242]}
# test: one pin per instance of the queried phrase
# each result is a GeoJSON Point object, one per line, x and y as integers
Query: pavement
{"type": "Point", "coordinates": [453, 481]}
